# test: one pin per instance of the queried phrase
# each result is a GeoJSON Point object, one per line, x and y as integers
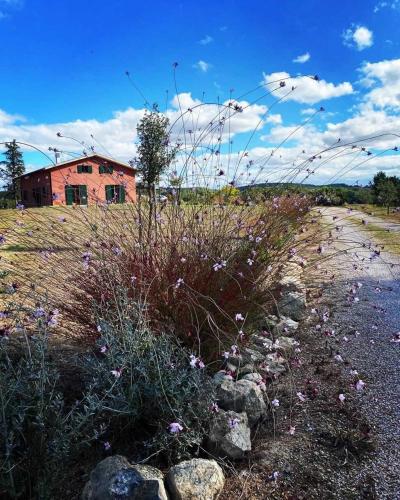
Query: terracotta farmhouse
{"type": "Point", "coordinates": [82, 181]}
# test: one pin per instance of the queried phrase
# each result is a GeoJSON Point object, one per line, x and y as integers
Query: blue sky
{"type": "Point", "coordinates": [63, 65]}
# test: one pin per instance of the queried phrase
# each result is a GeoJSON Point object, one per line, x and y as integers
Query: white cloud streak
{"type": "Point", "coordinates": [302, 59]}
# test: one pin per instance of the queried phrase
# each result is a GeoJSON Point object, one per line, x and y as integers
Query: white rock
{"type": "Point", "coordinates": [196, 479]}
{"type": "Point", "coordinates": [230, 434]}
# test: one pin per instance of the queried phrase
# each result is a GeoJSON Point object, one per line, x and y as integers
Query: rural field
{"type": "Point", "coordinates": [199, 250]}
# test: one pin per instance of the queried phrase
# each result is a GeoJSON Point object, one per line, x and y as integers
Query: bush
{"type": "Point", "coordinates": [33, 437]}
{"type": "Point", "coordinates": [144, 381]}
{"type": "Point", "coordinates": [137, 388]}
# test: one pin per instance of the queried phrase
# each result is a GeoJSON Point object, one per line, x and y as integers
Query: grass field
{"type": "Point", "coordinates": [378, 212]}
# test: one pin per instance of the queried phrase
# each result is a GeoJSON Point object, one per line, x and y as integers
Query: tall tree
{"type": "Point", "coordinates": [12, 167]}
{"type": "Point", "coordinates": [387, 193]}
{"type": "Point", "coordinates": [154, 153]}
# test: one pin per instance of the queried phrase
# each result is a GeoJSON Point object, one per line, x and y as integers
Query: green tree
{"type": "Point", "coordinates": [154, 153]}
{"type": "Point", "coordinates": [12, 167]}
{"type": "Point", "coordinates": [387, 193]}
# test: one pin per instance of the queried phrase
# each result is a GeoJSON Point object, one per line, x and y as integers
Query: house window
{"type": "Point", "coordinates": [84, 169]}
{"type": "Point", "coordinates": [106, 169]}
{"type": "Point", "coordinates": [76, 195]}
{"type": "Point", "coordinates": [115, 193]}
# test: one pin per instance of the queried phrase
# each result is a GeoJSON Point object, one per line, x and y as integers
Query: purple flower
{"type": "Point", "coordinates": [239, 317]}
{"type": "Point", "coordinates": [233, 423]}
{"type": "Point", "coordinates": [175, 428]}
{"type": "Point", "coordinates": [19, 206]}
{"type": "Point", "coordinates": [39, 312]}
{"type": "Point", "coordinates": [117, 251]}
{"type": "Point", "coordinates": [2, 239]}
{"type": "Point", "coordinates": [107, 446]}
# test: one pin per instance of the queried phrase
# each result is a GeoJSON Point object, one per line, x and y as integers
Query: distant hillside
{"type": "Point", "coordinates": [298, 185]}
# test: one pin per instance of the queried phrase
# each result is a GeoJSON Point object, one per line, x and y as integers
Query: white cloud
{"type": "Point", "coordinates": [202, 66]}
{"type": "Point", "coordinates": [392, 4]}
{"type": "Point", "coordinates": [307, 90]}
{"type": "Point", "coordinates": [206, 40]}
{"type": "Point", "coordinates": [384, 76]}
{"type": "Point", "coordinates": [308, 111]}
{"type": "Point", "coordinates": [359, 37]}
{"type": "Point", "coordinates": [275, 119]}
{"type": "Point", "coordinates": [302, 59]}
{"type": "Point", "coordinates": [117, 135]}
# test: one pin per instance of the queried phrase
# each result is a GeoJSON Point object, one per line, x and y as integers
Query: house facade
{"type": "Point", "coordinates": [82, 181]}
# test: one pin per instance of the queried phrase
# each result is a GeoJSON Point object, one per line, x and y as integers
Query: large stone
{"type": "Point", "coordinates": [242, 396]}
{"type": "Point", "coordinates": [260, 343]}
{"type": "Point", "coordinates": [291, 284]}
{"type": "Point", "coordinates": [286, 326]}
{"type": "Point", "coordinates": [196, 479]}
{"type": "Point", "coordinates": [114, 477]}
{"type": "Point", "coordinates": [220, 377]}
{"type": "Point", "coordinates": [293, 304]}
{"type": "Point", "coordinates": [253, 377]}
{"type": "Point", "coordinates": [285, 344]}
{"type": "Point", "coordinates": [230, 434]}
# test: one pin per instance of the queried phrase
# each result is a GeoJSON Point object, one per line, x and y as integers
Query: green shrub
{"type": "Point", "coordinates": [144, 381]}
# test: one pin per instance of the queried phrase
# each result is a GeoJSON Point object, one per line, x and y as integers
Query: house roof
{"type": "Point", "coordinates": [74, 160]}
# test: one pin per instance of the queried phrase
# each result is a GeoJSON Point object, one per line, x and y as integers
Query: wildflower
{"type": "Point", "coordinates": [183, 260]}
{"type": "Point", "coordinates": [2, 239]}
{"type": "Point", "coordinates": [275, 402]}
{"type": "Point", "coordinates": [117, 251]}
{"type": "Point", "coordinates": [226, 355]}
{"type": "Point", "coordinates": [292, 430]}
{"type": "Point", "coordinates": [396, 337]}
{"type": "Point", "coordinates": [107, 446]}
{"type": "Point", "coordinates": [39, 312]}
{"type": "Point", "coordinates": [250, 262]}
{"type": "Point", "coordinates": [360, 385]}
{"type": "Point", "coordinates": [19, 206]}
{"type": "Point", "coordinates": [214, 408]}
{"type": "Point", "coordinates": [353, 372]}
{"type": "Point", "coordinates": [219, 265]}
{"type": "Point", "coordinates": [274, 476]}
{"type": "Point", "coordinates": [98, 328]}
{"type": "Point", "coordinates": [175, 428]}
{"type": "Point", "coordinates": [117, 372]}
{"type": "Point", "coordinates": [62, 219]}
{"type": "Point", "coordinates": [338, 358]}
{"type": "Point", "coordinates": [234, 350]}
{"type": "Point", "coordinates": [239, 317]}
{"type": "Point", "coordinates": [301, 396]}
{"type": "Point", "coordinates": [133, 279]}
{"type": "Point", "coordinates": [233, 423]}
{"type": "Point", "coordinates": [341, 397]}
{"type": "Point", "coordinates": [103, 349]}
{"type": "Point", "coordinates": [53, 318]}
{"type": "Point", "coordinates": [196, 362]}
{"type": "Point", "coordinates": [179, 282]}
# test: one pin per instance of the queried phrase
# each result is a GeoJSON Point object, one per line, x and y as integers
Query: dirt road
{"type": "Point", "coordinates": [364, 293]}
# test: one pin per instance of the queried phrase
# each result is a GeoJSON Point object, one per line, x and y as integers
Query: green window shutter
{"type": "Point", "coordinates": [69, 195]}
{"type": "Point", "coordinates": [110, 169]}
{"type": "Point", "coordinates": [90, 169]}
{"type": "Point", "coordinates": [109, 193]}
{"type": "Point", "coordinates": [79, 169]}
{"type": "Point", "coordinates": [83, 199]}
{"type": "Point", "coordinates": [101, 169]}
{"type": "Point", "coordinates": [121, 194]}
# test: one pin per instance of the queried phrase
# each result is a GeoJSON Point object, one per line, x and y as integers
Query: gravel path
{"type": "Point", "coordinates": [365, 294]}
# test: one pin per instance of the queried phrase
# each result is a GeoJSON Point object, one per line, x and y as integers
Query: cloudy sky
{"type": "Point", "coordinates": [63, 70]}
